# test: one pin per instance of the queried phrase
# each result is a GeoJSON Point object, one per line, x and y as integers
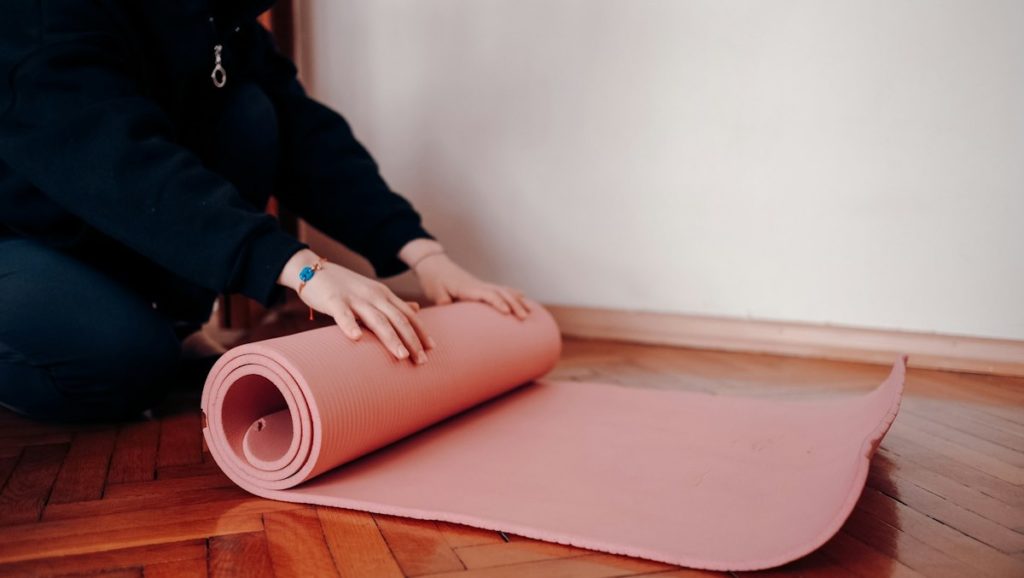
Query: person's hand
{"type": "Point", "coordinates": [352, 298]}
{"type": "Point", "coordinates": [443, 281]}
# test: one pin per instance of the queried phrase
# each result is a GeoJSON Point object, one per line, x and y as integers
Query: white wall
{"type": "Point", "coordinates": [855, 162]}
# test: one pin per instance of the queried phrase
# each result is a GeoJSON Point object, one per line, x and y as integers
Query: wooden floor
{"type": "Point", "coordinates": [945, 495]}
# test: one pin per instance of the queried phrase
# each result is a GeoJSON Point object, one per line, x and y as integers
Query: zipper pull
{"type": "Point", "coordinates": [219, 75]}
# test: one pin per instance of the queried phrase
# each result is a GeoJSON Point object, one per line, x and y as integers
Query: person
{"type": "Point", "coordinates": [139, 145]}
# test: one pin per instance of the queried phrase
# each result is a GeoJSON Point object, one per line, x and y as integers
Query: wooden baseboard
{"type": "Point", "coordinates": [926, 350]}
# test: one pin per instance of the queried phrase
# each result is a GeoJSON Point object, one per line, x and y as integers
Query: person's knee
{"type": "Point", "coordinates": [129, 365]}
{"type": "Point", "coordinates": [76, 339]}
{"type": "Point", "coordinates": [138, 349]}
{"type": "Point", "coordinates": [105, 395]}
{"type": "Point", "coordinates": [120, 379]}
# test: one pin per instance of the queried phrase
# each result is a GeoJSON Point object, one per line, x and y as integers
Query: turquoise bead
{"type": "Point", "coordinates": [306, 274]}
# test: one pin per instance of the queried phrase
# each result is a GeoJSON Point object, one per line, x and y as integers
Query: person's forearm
{"type": "Point", "coordinates": [418, 249]}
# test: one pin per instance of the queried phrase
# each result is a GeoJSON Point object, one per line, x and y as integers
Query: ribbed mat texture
{"type": "Point", "coordinates": [476, 436]}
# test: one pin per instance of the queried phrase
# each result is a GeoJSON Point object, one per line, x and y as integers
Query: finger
{"type": "Point", "coordinates": [443, 298]}
{"type": "Point", "coordinates": [522, 298]}
{"type": "Point", "coordinates": [490, 296]}
{"type": "Point", "coordinates": [526, 304]}
{"type": "Point", "coordinates": [513, 302]}
{"type": "Point", "coordinates": [406, 307]}
{"type": "Point", "coordinates": [405, 330]}
{"type": "Point", "coordinates": [381, 327]}
{"type": "Point", "coordinates": [347, 321]}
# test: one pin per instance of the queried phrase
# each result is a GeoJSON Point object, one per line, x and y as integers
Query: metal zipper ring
{"type": "Point", "coordinates": [219, 75]}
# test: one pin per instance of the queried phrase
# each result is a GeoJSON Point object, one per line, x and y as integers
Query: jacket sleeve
{"type": "Point", "coordinates": [329, 178]}
{"type": "Point", "coordinates": [74, 123]}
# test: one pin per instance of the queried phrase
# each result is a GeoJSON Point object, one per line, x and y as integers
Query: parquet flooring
{"type": "Point", "coordinates": [945, 495]}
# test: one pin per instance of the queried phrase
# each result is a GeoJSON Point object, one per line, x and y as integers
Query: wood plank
{"type": "Point", "coordinates": [188, 471]}
{"type": "Point", "coordinates": [992, 396]}
{"type": "Point", "coordinates": [119, 573]}
{"type": "Point", "coordinates": [1006, 390]}
{"type": "Point", "coordinates": [243, 555]}
{"type": "Point", "coordinates": [881, 535]}
{"type": "Point", "coordinates": [24, 496]}
{"type": "Point", "coordinates": [101, 539]}
{"type": "Point", "coordinates": [417, 545]}
{"type": "Point", "coordinates": [356, 544]}
{"type": "Point", "coordinates": [937, 461]}
{"type": "Point", "coordinates": [181, 441]}
{"type": "Point", "coordinates": [987, 462]}
{"type": "Point", "coordinates": [1013, 456]}
{"type": "Point", "coordinates": [168, 487]}
{"type": "Point", "coordinates": [14, 424]}
{"type": "Point", "coordinates": [947, 512]}
{"type": "Point", "coordinates": [129, 504]}
{"type": "Point", "coordinates": [84, 472]}
{"type": "Point", "coordinates": [814, 565]}
{"type": "Point", "coordinates": [52, 534]}
{"type": "Point", "coordinates": [458, 535]}
{"type": "Point", "coordinates": [6, 467]}
{"type": "Point", "coordinates": [598, 565]}
{"type": "Point", "coordinates": [134, 458]}
{"type": "Point", "coordinates": [1001, 424]}
{"type": "Point", "coordinates": [962, 417]}
{"type": "Point", "coordinates": [987, 561]}
{"type": "Point", "coordinates": [863, 560]}
{"type": "Point", "coordinates": [195, 568]}
{"type": "Point", "coordinates": [682, 573]}
{"type": "Point", "coordinates": [111, 559]}
{"type": "Point", "coordinates": [950, 488]}
{"type": "Point", "coordinates": [514, 552]}
{"type": "Point", "coordinates": [12, 445]}
{"type": "Point", "coordinates": [297, 546]}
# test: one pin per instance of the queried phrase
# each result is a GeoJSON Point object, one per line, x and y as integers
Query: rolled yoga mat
{"type": "Point", "coordinates": [475, 437]}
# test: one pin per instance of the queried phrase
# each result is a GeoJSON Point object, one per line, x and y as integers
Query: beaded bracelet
{"type": "Point", "coordinates": [306, 274]}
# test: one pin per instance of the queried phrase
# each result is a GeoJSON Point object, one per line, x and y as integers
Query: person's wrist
{"type": "Point", "coordinates": [417, 250]}
{"type": "Point", "coordinates": [289, 276]}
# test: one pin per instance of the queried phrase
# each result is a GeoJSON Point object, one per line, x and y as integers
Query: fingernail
{"type": "Point", "coordinates": [431, 342]}
{"type": "Point", "coordinates": [402, 352]}
{"type": "Point", "coordinates": [421, 359]}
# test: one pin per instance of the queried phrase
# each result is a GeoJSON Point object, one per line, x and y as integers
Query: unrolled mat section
{"type": "Point", "coordinates": [477, 436]}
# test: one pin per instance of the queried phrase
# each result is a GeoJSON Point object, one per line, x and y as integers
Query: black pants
{"type": "Point", "coordinates": [75, 343]}
{"type": "Point", "coordinates": [80, 339]}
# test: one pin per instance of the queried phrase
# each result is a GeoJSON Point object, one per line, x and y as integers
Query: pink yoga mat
{"type": "Point", "coordinates": [477, 437]}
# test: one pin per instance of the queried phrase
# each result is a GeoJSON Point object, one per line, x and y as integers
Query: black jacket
{"type": "Point", "coordinates": [105, 109]}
